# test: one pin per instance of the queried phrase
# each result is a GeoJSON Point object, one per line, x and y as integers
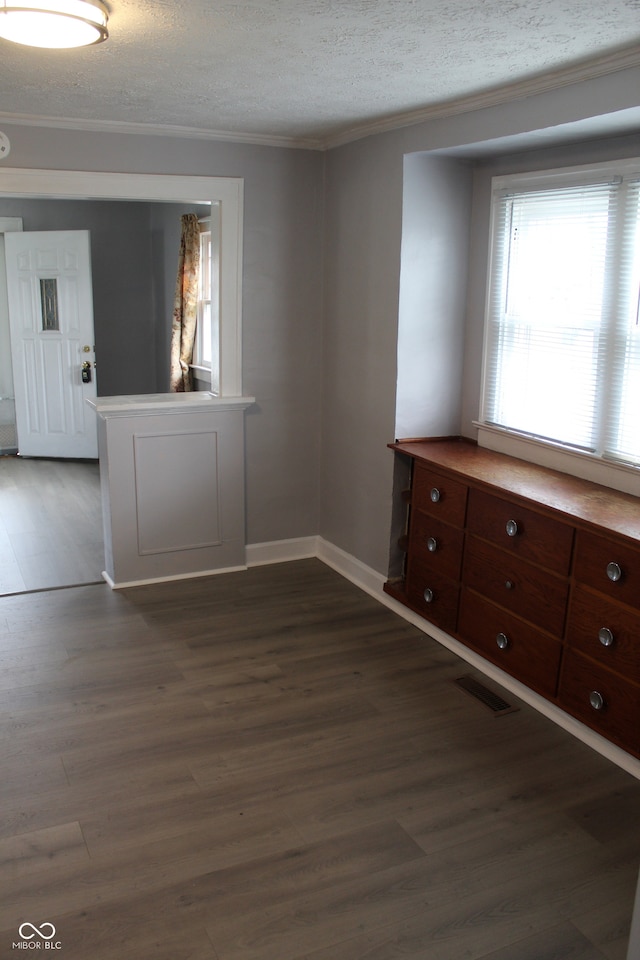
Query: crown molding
{"type": "Point", "coordinates": [592, 69]}
{"type": "Point", "coordinates": [161, 130]}
{"type": "Point", "coordinates": [543, 83]}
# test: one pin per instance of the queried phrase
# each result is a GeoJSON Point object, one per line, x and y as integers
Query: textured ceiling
{"type": "Point", "coordinates": [310, 70]}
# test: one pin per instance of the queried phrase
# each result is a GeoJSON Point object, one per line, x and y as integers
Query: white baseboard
{"type": "Point", "coordinates": [281, 551]}
{"type": "Point", "coordinates": [372, 583]}
{"type": "Point", "coordinates": [122, 585]}
{"type": "Point", "coordinates": [351, 568]}
{"type": "Point", "coordinates": [256, 554]}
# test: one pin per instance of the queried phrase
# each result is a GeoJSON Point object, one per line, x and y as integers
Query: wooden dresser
{"type": "Point", "coordinates": [535, 570]}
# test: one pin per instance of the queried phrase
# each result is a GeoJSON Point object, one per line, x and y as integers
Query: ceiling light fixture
{"type": "Point", "coordinates": [53, 23]}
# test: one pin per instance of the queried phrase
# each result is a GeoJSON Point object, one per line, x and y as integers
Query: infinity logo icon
{"type": "Point", "coordinates": [37, 931]}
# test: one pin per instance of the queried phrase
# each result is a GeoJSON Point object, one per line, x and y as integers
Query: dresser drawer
{"type": "Point", "coordinates": [599, 560]}
{"type": "Point", "coordinates": [552, 597]}
{"type": "Point", "coordinates": [521, 587]}
{"type": "Point", "coordinates": [437, 545]}
{"type": "Point", "coordinates": [605, 631]}
{"type": "Point", "coordinates": [516, 647]}
{"type": "Point", "coordinates": [601, 699]}
{"type": "Point", "coordinates": [433, 595]}
{"type": "Point", "coordinates": [437, 494]}
{"type": "Point", "coordinates": [523, 532]}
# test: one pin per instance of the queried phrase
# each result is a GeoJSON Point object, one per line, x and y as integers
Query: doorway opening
{"type": "Point", "coordinates": [223, 194]}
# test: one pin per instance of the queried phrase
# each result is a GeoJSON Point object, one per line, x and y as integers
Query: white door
{"type": "Point", "coordinates": [52, 342]}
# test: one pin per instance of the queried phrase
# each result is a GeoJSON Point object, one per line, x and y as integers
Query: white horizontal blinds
{"type": "Point", "coordinates": [621, 416]}
{"type": "Point", "coordinates": [547, 299]}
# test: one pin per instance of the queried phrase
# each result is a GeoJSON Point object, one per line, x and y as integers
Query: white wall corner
{"type": "Point", "coordinates": [304, 548]}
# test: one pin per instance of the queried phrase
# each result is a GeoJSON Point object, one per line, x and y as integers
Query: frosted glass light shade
{"type": "Point", "coordinates": [53, 23]}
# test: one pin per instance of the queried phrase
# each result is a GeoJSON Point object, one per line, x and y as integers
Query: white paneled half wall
{"type": "Point", "coordinates": [172, 482]}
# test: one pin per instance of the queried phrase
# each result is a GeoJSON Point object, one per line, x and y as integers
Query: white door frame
{"type": "Point", "coordinates": [7, 225]}
{"type": "Point", "coordinates": [226, 192]}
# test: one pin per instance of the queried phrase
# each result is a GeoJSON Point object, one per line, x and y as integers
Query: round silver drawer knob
{"type": "Point", "coordinates": [509, 584]}
{"type": "Point", "coordinates": [614, 572]}
{"type": "Point", "coordinates": [432, 544]}
{"type": "Point", "coordinates": [428, 595]}
{"type": "Point", "coordinates": [503, 641]}
{"type": "Point", "coordinates": [605, 636]}
{"type": "Point", "coordinates": [596, 700]}
{"type": "Point", "coordinates": [511, 528]}
{"type": "Point", "coordinates": [435, 494]}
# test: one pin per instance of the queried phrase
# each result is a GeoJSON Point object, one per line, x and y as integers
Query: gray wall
{"type": "Point", "coordinates": [282, 302]}
{"type": "Point", "coordinates": [362, 277]}
{"type": "Point", "coordinates": [323, 236]}
{"type": "Point", "coordinates": [433, 292]}
{"type": "Point", "coordinates": [132, 297]}
{"type": "Point", "coordinates": [364, 196]}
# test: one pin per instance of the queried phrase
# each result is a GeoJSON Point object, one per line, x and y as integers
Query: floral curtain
{"type": "Point", "coordinates": [185, 306]}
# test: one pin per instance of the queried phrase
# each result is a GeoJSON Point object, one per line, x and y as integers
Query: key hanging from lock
{"type": "Point", "coordinates": [86, 372]}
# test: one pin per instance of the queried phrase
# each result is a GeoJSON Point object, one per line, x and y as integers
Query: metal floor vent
{"type": "Point", "coordinates": [492, 700]}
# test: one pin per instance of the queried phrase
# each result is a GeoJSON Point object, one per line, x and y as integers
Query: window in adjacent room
{"type": "Point", "coordinates": [206, 347]}
{"type": "Point", "coordinates": [562, 333]}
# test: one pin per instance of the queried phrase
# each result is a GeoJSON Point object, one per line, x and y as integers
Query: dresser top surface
{"type": "Point", "coordinates": [581, 500]}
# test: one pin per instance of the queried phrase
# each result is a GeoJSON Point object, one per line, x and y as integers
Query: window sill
{"type": "Point", "coordinates": [625, 478]}
{"type": "Point", "coordinates": [201, 376]}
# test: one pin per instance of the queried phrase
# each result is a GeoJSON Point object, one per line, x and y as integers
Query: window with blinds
{"type": "Point", "coordinates": [562, 333]}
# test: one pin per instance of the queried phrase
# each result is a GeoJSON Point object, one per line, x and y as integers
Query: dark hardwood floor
{"type": "Point", "coordinates": [270, 765]}
{"type": "Point", "coordinates": [50, 524]}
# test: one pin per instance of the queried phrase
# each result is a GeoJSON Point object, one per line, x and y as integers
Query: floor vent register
{"type": "Point", "coordinates": [493, 701]}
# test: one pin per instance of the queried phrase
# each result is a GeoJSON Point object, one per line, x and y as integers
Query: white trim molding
{"type": "Point", "coordinates": [281, 551]}
{"type": "Point", "coordinates": [226, 192]}
{"type": "Point", "coordinates": [351, 568]}
{"type": "Point", "coordinates": [124, 585]}
{"type": "Point", "coordinates": [494, 97]}
{"type": "Point", "coordinates": [600, 66]}
{"type": "Point", "coordinates": [618, 476]}
{"type": "Point", "coordinates": [372, 583]}
{"type": "Point", "coordinates": [86, 125]}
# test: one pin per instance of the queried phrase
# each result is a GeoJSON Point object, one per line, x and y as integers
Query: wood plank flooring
{"type": "Point", "coordinates": [50, 524]}
{"type": "Point", "coordinates": [270, 765]}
